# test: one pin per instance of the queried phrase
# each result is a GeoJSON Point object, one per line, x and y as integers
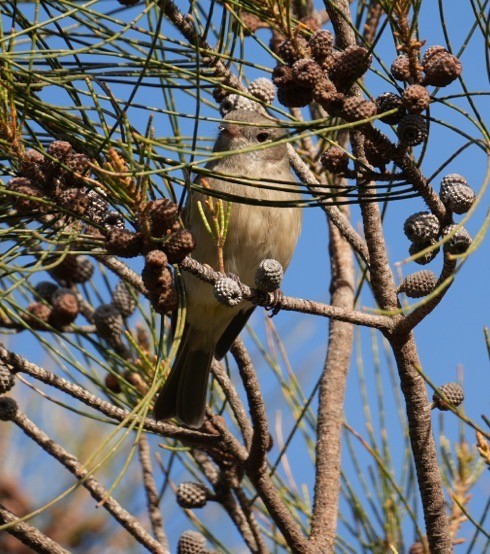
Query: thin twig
{"type": "Point", "coordinates": [206, 274]}
{"type": "Point", "coordinates": [234, 400]}
{"type": "Point", "coordinates": [152, 497]}
{"type": "Point", "coordinates": [260, 439]}
{"type": "Point", "coordinates": [29, 535]}
{"type": "Point", "coordinates": [20, 364]}
{"type": "Point", "coordinates": [97, 491]}
{"type": "Point", "coordinates": [333, 212]}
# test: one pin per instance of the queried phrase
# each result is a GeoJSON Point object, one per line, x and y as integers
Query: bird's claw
{"type": "Point", "coordinates": [274, 302]}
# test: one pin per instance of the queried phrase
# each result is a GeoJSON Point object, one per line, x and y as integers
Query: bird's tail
{"type": "Point", "coordinates": [184, 393]}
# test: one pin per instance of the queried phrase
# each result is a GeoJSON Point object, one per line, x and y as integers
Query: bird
{"type": "Point", "coordinates": [255, 232]}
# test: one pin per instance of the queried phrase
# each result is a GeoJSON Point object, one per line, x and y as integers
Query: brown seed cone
{"type": "Point", "coordinates": [7, 379]}
{"type": "Point", "coordinates": [263, 89]}
{"type": "Point", "coordinates": [355, 108]}
{"type": "Point", "coordinates": [422, 227]}
{"type": "Point", "coordinates": [417, 247]}
{"type": "Point", "coordinates": [418, 284]}
{"type": "Point", "coordinates": [415, 98]}
{"type": "Point", "coordinates": [44, 290]}
{"type": "Point", "coordinates": [30, 165]}
{"type": "Point", "coordinates": [108, 322]}
{"type": "Point", "coordinates": [325, 93]}
{"type": "Point", "coordinates": [9, 408]}
{"type": "Point", "coordinates": [78, 164]}
{"type": "Point", "coordinates": [282, 75]}
{"type": "Point", "coordinates": [191, 495]}
{"type": "Point", "coordinates": [251, 22]}
{"type": "Point", "coordinates": [123, 243]}
{"type": "Point", "coordinates": [156, 279]}
{"type": "Point", "coordinates": [454, 394]}
{"type": "Point", "coordinates": [168, 303]}
{"type": "Point", "coordinates": [389, 101]}
{"type": "Point", "coordinates": [456, 194]}
{"type": "Point", "coordinates": [400, 68]}
{"type": "Point", "coordinates": [179, 245]}
{"type": "Point", "coordinates": [335, 160]}
{"type": "Point", "coordinates": [156, 259]}
{"type": "Point", "coordinates": [306, 72]}
{"type": "Point", "coordinates": [191, 542]}
{"type": "Point", "coordinates": [123, 300]}
{"type": "Point", "coordinates": [112, 383]}
{"type": "Point", "coordinates": [459, 242]}
{"type": "Point", "coordinates": [162, 213]}
{"type": "Point", "coordinates": [75, 200]}
{"type": "Point", "coordinates": [412, 130]}
{"type": "Point", "coordinates": [376, 155]}
{"type": "Point", "coordinates": [60, 149]}
{"type": "Point", "coordinates": [25, 206]}
{"type": "Point", "coordinates": [441, 69]}
{"type": "Point", "coordinates": [73, 269]}
{"type": "Point", "coordinates": [65, 308]}
{"type": "Point", "coordinates": [293, 96]}
{"type": "Point", "coordinates": [37, 315]}
{"type": "Point", "coordinates": [162, 301]}
{"type": "Point", "coordinates": [431, 52]}
{"type": "Point", "coordinates": [219, 94]}
{"type": "Point", "coordinates": [349, 66]}
{"type": "Point", "coordinates": [293, 50]}
{"type": "Point", "coordinates": [321, 44]}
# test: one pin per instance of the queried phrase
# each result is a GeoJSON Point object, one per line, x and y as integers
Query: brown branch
{"type": "Point", "coordinates": [211, 57]}
{"type": "Point", "coordinates": [244, 503]}
{"type": "Point", "coordinates": [403, 345]}
{"type": "Point", "coordinates": [423, 445]}
{"type": "Point", "coordinates": [152, 496]}
{"type": "Point", "coordinates": [122, 271]}
{"type": "Point", "coordinates": [273, 501]}
{"type": "Point", "coordinates": [261, 438]}
{"type": "Point", "coordinates": [206, 274]}
{"type": "Point", "coordinates": [234, 400]}
{"type": "Point", "coordinates": [29, 535]}
{"type": "Point", "coordinates": [20, 364]}
{"type": "Point", "coordinates": [331, 401]}
{"type": "Point", "coordinates": [96, 490]}
{"type": "Point", "coordinates": [333, 212]}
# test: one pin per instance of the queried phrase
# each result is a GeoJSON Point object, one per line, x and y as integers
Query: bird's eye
{"type": "Point", "coordinates": [262, 137]}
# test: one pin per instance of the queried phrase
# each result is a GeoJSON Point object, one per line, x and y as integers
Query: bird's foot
{"type": "Point", "coordinates": [274, 302]}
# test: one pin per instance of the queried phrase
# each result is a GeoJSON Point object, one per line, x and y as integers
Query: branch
{"type": "Point", "coordinates": [331, 401]}
{"type": "Point", "coordinates": [96, 490]}
{"type": "Point", "coordinates": [423, 445]}
{"type": "Point", "coordinates": [261, 438]}
{"type": "Point", "coordinates": [20, 364]}
{"type": "Point", "coordinates": [152, 496]}
{"type": "Point", "coordinates": [28, 535]}
{"type": "Point", "coordinates": [122, 271]}
{"type": "Point", "coordinates": [185, 26]}
{"type": "Point", "coordinates": [206, 274]}
{"type": "Point", "coordinates": [234, 400]}
{"type": "Point", "coordinates": [333, 212]}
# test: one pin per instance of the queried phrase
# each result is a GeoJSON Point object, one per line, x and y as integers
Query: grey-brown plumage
{"type": "Point", "coordinates": [255, 233]}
